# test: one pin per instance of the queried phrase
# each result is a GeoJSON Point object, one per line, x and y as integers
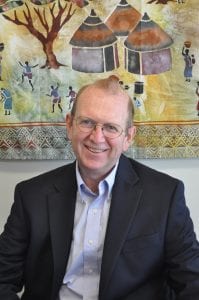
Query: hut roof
{"type": "Point", "coordinates": [147, 36]}
{"type": "Point", "coordinates": [93, 33]}
{"type": "Point", "coordinates": [123, 19]}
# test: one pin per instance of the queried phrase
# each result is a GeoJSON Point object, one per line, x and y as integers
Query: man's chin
{"type": "Point", "coordinates": [93, 166]}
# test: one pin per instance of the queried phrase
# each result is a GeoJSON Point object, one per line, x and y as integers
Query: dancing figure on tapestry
{"type": "Point", "coordinates": [189, 62]}
{"type": "Point", "coordinates": [27, 72]}
{"type": "Point", "coordinates": [72, 95]}
{"type": "Point", "coordinates": [56, 98]}
{"type": "Point", "coordinates": [6, 98]}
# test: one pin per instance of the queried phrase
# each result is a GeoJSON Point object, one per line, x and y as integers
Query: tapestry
{"type": "Point", "coordinates": [50, 48]}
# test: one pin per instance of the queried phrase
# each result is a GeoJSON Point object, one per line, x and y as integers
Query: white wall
{"type": "Point", "coordinates": [12, 172]}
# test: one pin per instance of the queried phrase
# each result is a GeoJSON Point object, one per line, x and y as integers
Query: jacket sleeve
{"type": "Point", "coordinates": [13, 246]}
{"type": "Point", "coordinates": [182, 249]}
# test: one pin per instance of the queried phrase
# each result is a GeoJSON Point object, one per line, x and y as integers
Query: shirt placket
{"type": "Point", "coordinates": [91, 265]}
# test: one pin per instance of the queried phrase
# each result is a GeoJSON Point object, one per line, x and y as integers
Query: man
{"type": "Point", "coordinates": [104, 227]}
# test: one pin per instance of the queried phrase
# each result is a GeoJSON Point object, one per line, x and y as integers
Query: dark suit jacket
{"type": "Point", "coordinates": [150, 248]}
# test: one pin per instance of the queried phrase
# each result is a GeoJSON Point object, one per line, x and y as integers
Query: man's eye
{"type": "Point", "coordinates": [111, 128]}
{"type": "Point", "coordinates": [86, 122]}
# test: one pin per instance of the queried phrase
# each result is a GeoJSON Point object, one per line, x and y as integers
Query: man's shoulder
{"type": "Point", "coordinates": [60, 173]}
{"type": "Point", "coordinates": [148, 173]}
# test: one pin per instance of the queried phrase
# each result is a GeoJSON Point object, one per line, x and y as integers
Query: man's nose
{"type": "Point", "coordinates": [97, 132]}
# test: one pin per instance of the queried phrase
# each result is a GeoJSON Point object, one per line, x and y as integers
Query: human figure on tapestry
{"type": "Point", "coordinates": [139, 104]}
{"type": "Point", "coordinates": [7, 100]}
{"type": "Point", "coordinates": [197, 93]}
{"type": "Point", "coordinates": [27, 72]}
{"type": "Point", "coordinates": [181, 1]}
{"type": "Point", "coordinates": [0, 68]}
{"type": "Point", "coordinates": [56, 98]}
{"type": "Point", "coordinates": [72, 95]}
{"type": "Point", "coordinates": [189, 62]}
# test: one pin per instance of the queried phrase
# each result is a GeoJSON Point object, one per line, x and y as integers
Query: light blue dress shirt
{"type": "Point", "coordinates": [81, 280]}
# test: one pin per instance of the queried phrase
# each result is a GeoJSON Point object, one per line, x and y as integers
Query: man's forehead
{"type": "Point", "coordinates": [92, 92]}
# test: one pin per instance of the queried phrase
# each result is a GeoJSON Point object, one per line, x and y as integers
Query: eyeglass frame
{"type": "Point", "coordinates": [95, 124]}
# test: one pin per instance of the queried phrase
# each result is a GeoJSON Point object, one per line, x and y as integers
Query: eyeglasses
{"type": "Point", "coordinates": [87, 125]}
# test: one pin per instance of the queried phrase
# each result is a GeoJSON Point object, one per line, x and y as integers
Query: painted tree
{"type": "Point", "coordinates": [59, 13]}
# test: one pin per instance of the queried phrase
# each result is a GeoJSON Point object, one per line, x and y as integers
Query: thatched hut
{"type": "Point", "coordinates": [94, 47]}
{"type": "Point", "coordinates": [147, 48]}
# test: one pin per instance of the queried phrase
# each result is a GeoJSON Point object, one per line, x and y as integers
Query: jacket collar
{"type": "Point", "coordinates": [61, 205]}
{"type": "Point", "coordinates": [125, 200]}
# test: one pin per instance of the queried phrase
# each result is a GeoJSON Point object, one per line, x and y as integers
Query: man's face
{"type": "Point", "coordinates": [97, 154]}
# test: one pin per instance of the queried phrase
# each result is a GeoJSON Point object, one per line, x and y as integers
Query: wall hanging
{"type": "Point", "coordinates": [50, 48]}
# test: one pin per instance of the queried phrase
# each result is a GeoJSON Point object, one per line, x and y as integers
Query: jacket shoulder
{"type": "Point", "coordinates": [42, 181]}
{"type": "Point", "coordinates": [149, 174]}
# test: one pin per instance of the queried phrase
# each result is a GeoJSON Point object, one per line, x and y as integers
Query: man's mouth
{"type": "Point", "coordinates": [95, 149]}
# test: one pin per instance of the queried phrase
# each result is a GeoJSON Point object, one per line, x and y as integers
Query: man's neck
{"type": "Point", "coordinates": [93, 178]}
{"type": "Point", "coordinates": [92, 181]}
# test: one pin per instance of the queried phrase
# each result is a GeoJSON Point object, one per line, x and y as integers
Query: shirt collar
{"type": "Point", "coordinates": [108, 181]}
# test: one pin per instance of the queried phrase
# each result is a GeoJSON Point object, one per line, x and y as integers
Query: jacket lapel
{"type": "Point", "coordinates": [61, 204]}
{"type": "Point", "coordinates": [125, 199]}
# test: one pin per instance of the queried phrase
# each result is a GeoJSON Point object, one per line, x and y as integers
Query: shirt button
{"type": "Point", "coordinates": [90, 242]}
{"type": "Point", "coordinates": [94, 211]}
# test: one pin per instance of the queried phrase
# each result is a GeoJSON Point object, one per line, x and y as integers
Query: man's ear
{"type": "Point", "coordinates": [69, 121]}
{"type": "Point", "coordinates": [131, 132]}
